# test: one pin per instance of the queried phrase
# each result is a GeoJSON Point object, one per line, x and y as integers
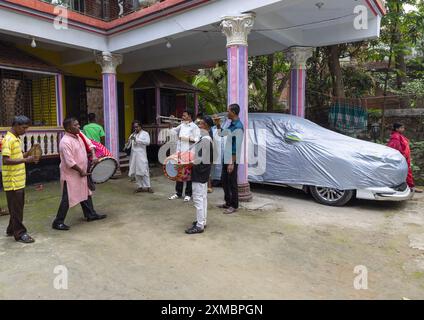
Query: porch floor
{"type": "Point", "coordinates": [281, 246]}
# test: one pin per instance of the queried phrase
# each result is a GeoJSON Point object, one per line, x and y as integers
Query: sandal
{"type": "Point", "coordinates": [194, 224]}
{"type": "Point", "coordinates": [26, 238]}
{"type": "Point", "coordinates": [194, 230]}
{"type": "Point", "coordinates": [4, 212]}
{"type": "Point", "coordinates": [210, 190]}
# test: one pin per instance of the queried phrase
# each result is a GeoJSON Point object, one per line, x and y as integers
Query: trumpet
{"type": "Point", "coordinates": [218, 118]}
{"type": "Point", "coordinates": [129, 142]}
{"type": "Point", "coordinates": [171, 119]}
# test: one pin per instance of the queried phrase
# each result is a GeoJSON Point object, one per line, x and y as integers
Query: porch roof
{"type": "Point", "coordinates": [12, 57]}
{"type": "Point", "coordinates": [192, 28]}
{"type": "Point", "coordinates": [162, 80]}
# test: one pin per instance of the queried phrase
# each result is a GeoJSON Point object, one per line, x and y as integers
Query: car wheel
{"type": "Point", "coordinates": [331, 196]}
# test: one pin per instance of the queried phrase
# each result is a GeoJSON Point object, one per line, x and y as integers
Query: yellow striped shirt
{"type": "Point", "coordinates": [14, 176]}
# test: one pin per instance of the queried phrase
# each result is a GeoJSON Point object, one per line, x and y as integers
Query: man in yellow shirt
{"type": "Point", "coordinates": [14, 177]}
{"type": "Point", "coordinates": [3, 211]}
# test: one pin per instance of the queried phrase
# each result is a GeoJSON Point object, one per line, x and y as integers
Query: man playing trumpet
{"type": "Point", "coordinates": [139, 164]}
{"type": "Point", "coordinates": [188, 133]}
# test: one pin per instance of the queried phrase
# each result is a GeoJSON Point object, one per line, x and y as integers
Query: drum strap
{"type": "Point", "coordinates": [87, 148]}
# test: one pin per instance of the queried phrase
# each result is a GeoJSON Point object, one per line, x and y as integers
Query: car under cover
{"type": "Point", "coordinates": [293, 150]}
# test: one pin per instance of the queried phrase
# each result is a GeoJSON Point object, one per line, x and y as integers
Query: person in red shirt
{"type": "Point", "coordinates": [399, 142]}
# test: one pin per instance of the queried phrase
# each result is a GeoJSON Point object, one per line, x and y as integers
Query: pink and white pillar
{"type": "Point", "coordinates": [109, 62]}
{"type": "Point", "coordinates": [298, 57]}
{"type": "Point", "coordinates": [236, 29]}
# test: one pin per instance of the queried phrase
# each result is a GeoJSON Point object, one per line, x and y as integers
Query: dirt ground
{"type": "Point", "coordinates": [282, 245]}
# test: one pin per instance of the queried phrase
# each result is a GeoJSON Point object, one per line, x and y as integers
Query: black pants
{"type": "Point", "coordinates": [15, 203]}
{"type": "Point", "coordinates": [179, 189]}
{"type": "Point", "coordinates": [229, 184]}
{"type": "Point", "coordinates": [87, 207]}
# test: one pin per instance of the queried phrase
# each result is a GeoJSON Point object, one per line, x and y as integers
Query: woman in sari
{"type": "Point", "coordinates": [399, 142]}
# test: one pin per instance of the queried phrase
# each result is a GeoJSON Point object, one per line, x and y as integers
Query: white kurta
{"type": "Point", "coordinates": [139, 165]}
{"type": "Point", "coordinates": [186, 130]}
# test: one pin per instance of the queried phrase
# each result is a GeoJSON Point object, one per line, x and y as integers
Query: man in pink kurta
{"type": "Point", "coordinates": [73, 174]}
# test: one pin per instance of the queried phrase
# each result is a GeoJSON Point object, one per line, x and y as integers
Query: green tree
{"type": "Point", "coordinates": [268, 76]}
{"type": "Point", "coordinates": [401, 32]}
{"type": "Point", "coordinates": [213, 84]}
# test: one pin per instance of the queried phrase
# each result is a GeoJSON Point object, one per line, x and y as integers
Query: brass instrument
{"type": "Point", "coordinates": [128, 145]}
{"type": "Point", "coordinates": [219, 118]}
{"type": "Point", "coordinates": [172, 120]}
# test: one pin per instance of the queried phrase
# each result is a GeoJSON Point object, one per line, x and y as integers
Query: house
{"type": "Point", "coordinates": [97, 50]}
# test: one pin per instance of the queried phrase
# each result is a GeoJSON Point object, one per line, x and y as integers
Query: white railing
{"type": "Point", "coordinates": [48, 139]}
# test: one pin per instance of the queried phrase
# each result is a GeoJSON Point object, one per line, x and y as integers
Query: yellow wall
{"type": "Point", "coordinates": [43, 90]}
{"type": "Point", "coordinates": [90, 70]}
{"type": "Point", "coordinates": [128, 80]}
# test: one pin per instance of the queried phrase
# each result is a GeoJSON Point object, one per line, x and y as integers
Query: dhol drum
{"type": "Point", "coordinates": [177, 167]}
{"type": "Point", "coordinates": [36, 152]}
{"type": "Point", "coordinates": [101, 150]}
{"type": "Point", "coordinates": [103, 170]}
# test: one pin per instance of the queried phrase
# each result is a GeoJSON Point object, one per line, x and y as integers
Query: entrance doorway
{"type": "Point", "coordinates": [84, 96]}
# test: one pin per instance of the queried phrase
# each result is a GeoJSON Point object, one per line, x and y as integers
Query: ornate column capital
{"type": "Point", "coordinates": [108, 61]}
{"type": "Point", "coordinates": [237, 28]}
{"type": "Point", "coordinates": [298, 56]}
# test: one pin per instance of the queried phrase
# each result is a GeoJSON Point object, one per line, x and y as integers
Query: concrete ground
{"type": "Point", "coordinates": [282, 245]}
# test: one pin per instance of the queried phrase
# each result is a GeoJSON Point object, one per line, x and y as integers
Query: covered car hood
{"type": "Point", "coordinates": [294, 150]}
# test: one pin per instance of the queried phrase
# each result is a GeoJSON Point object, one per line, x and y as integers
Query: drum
{"type": "Point", "coordinates": [177, 167]}
{"type": "Point", "coordinates": [35, 151]}
{"type": "Point", "coordinates": [103, 170]}
{"type": "Point", "coordinates": [101, 150]}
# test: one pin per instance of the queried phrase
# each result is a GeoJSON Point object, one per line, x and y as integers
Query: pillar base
{"type": "Point", "coordinates": [244, 192]}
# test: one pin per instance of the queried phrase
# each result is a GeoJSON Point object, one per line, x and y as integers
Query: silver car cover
{"type": "Point", "coordinates": [286, 149]}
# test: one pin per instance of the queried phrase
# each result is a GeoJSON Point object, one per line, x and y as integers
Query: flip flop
{"type": "Point", "coordinates": [26, 238]}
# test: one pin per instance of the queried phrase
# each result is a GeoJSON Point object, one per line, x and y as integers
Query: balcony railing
{"type": "Point", "coordinates": [105, 10]}
{"type": "Point", "coordinates": [48, 139]}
